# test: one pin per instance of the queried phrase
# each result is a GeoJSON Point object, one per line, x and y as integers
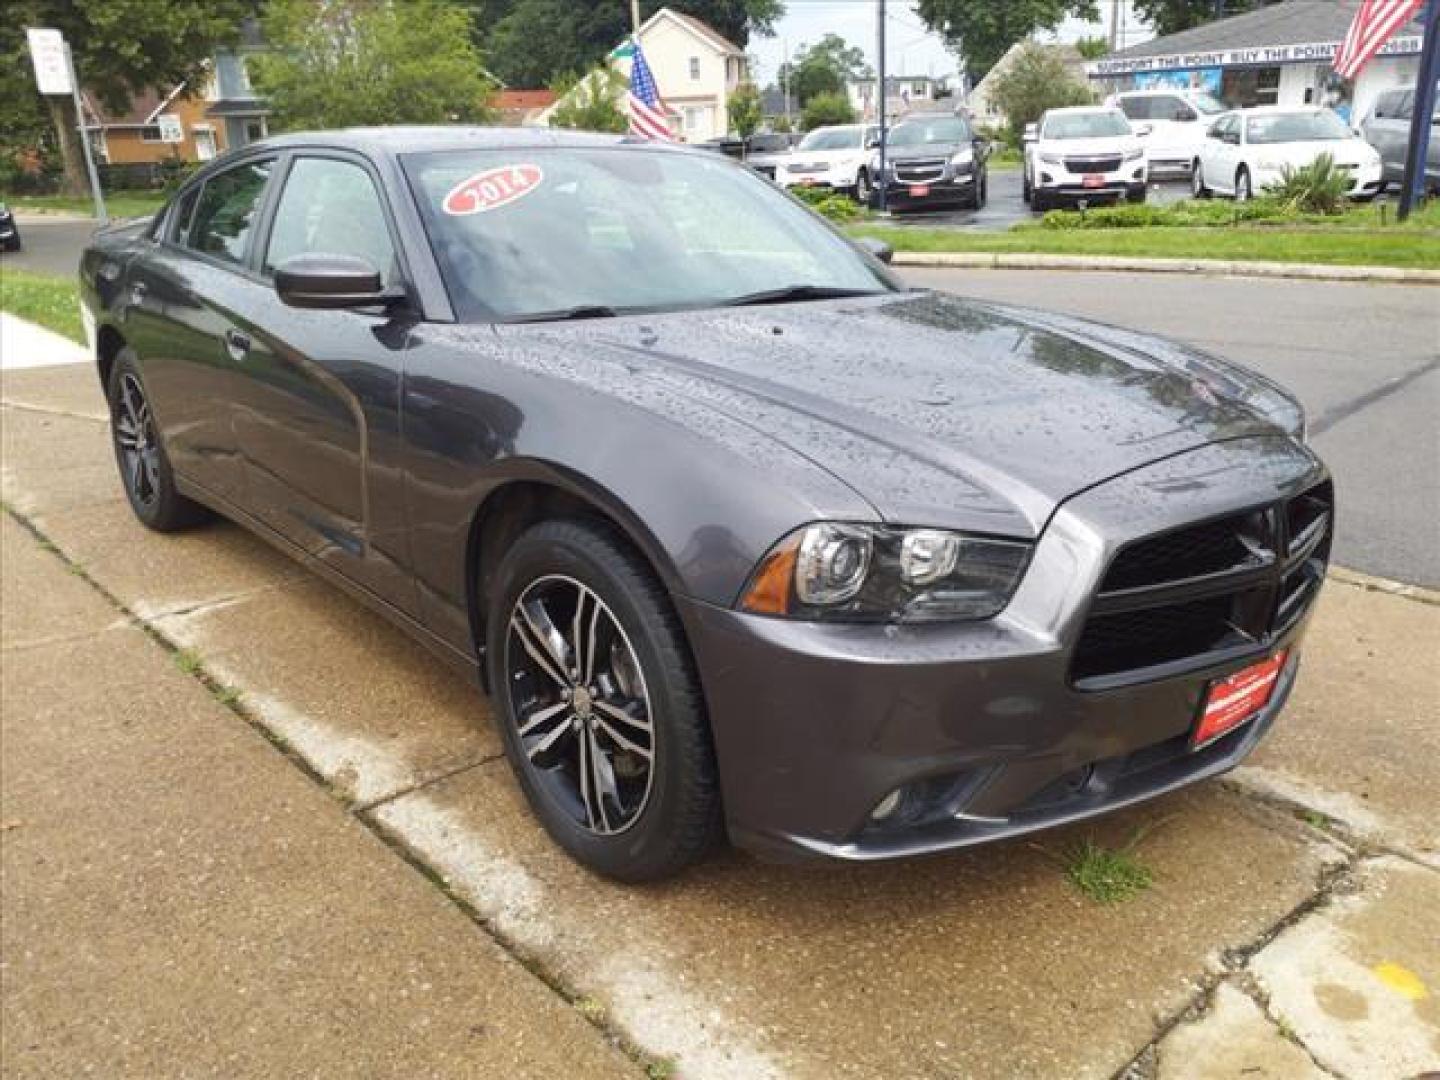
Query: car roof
{"type": "Point", "coordinates": [1262, 110]}
{"type": "Point", "coordinates": [1154, 91]}
{"type": "Point", "coordinates": [1071, 110]}
{"type": "Point", "coordinates": [419, 139]}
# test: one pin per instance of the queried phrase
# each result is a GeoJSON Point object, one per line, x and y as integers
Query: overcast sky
{"type": "Point", "coordinates": [911, 49]}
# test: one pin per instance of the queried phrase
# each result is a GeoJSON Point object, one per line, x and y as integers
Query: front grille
{"type": "Point", "coordinates": [1092, 164]}
{"type": "Point", "coordinates": [1190, 595]}
{"type": "Point", "coordinates": [920, 171]}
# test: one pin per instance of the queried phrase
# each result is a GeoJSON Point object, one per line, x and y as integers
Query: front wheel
{"type": "Point", "coordinates": [1197, 182]}
{"type": "Point", "coordinates": [864, 190]}
{"type": "Point", "coordinates": [144, 467]}
{"type": "Point", "coordinates": [599, 704]}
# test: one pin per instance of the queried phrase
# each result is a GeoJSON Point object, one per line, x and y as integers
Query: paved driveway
{"type": "Point", "coordinates": [1364, 359]}
{"type": "Point", "coordinates": [1291, 919]}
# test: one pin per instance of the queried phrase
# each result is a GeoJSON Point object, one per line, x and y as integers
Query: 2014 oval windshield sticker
{"type": "Point", "coordinates": [492, 189]}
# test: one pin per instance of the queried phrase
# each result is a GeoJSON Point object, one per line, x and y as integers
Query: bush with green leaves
{"type": "Point", "coordinates": [1187, 214]}
{"type": "Point", "coordinates": [829, 204]}
{"type": "Point", "coordinates": [822, 110]}
{"type": "Point", "coordinates": [591, 103]}
{"type": "Point", "coordinates": [1317, 188]}
{"type": "Point", "coordinates": [1036, 80]}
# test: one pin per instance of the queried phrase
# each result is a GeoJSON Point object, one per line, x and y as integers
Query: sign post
{"type": "Point", "coordinates": [880, 102]}
{"type": "Point", "coordinates": [1421, 116]}
{"type": "Point", "coordinates": [55, 75]}
{"type": "Point", "coordinates": [171, 129]}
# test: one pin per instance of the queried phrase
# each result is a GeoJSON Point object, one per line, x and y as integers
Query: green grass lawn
{"type": "Point", "coordinates": [119, 205]}
{"type": "Point", "coordinates": [50, 301]}
{"type": "Point", "coordinates": [1411, 248]}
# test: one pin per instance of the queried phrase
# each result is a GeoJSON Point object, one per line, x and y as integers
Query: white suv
{"type": "Point", "coordinates": [1178, 122]}
{"type": "Point", "coordinates": [1087, 153]}
{"type": "Point", "coordinates": [833, 157]}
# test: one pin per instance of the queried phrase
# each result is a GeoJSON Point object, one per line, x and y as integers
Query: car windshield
{"type": "Point", "coordinates": [1295, 127]}
{"type": "Point", "coordinates": [548, 232]}
{"type": "Point", "coordinates": [1207, 104]}
{"type": "Point", "coordinates": [942, 129]}
{"type": "Point", "coordinates": [846, 138]}
{"type": "Point", "coordinates": [1086, 125]}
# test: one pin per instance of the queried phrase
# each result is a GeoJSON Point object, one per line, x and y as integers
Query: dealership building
{"type": "Point", "coordinates": [1276, 55]}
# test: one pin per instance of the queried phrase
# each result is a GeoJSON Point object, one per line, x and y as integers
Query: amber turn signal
{"type": "Point", "coordinates": [769, 591]}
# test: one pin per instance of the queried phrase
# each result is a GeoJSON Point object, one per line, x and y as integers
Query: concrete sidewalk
{"type": "Point", "coordinates": [1290, 929]}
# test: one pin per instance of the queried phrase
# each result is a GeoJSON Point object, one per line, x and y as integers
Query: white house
{"type": "Point", "coordinates": [1275, 55]}
{"type": "Point", "coordinates": [983, 108]}
{"type": "Point", "coordinates": [695, 69]}
{"type": "Point", "coordinates": [902, 94]}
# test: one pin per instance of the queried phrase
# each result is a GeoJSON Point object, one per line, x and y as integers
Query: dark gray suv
{"type": "Point", "coordinates": [1387, 129]}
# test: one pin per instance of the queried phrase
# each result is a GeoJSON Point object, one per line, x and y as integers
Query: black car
{"type": "Point", "coordinates": [9, 231]}
{"type": "Point", "coordinates": [741, 535]}
{"type": "Point", "coordinates": [935, 160]}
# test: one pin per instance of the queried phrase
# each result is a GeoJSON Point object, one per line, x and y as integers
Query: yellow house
{"type": "Point", "coordinates": [137, 137]}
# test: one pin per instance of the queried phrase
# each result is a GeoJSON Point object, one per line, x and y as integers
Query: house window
{"type": "Point", "coordinates": [151, 134]}
{"type": "Point", "coordinates": [694, 67]}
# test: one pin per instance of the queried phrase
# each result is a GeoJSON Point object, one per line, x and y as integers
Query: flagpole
{"type": "Point", "coordinates": [1421, 115]}
{"type": "Point", "coordinates": [880, 95]}
{"type": "Point", "coordinates": [635, 15]}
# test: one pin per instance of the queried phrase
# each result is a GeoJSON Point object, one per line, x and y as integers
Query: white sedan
{"type": "Point", "coordinates": [1249, 150]}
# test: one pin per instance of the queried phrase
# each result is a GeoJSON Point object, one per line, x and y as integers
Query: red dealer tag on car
{"type": "Point", "coordinates": [492, 189]}
{"type": "Point", "coordinates": [1234, 700]}
{"type": "Point", "coordinates": [1093, 180]}
{"type": "Point", "coordinates": [919, 191]}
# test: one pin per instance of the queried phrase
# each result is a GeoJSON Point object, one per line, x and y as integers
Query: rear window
{"type": "Point", "coordinates": [832, 139]}
{"type": "Point", "coordinates": [1085, 125]}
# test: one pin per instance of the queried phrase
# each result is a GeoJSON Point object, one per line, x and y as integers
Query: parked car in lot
{"type": "Point", "coordinates": [1387, 129]}
{"type": "Point", "coordinates": [9, 231]}
{"type": "Point", "coordinates": [1085, 153]}
{"type": "Point", "coordinates": [1178, 121]}
{"type": "Point", "coordinates": [1247, 151]}
{"type": "Point", "coordinates": [738, 532]}
{"type": "Point", "coordinates": [934, 160]}
{"type": "Point", "coordinates": [764, 151]}
{"type": "Point", "coordinates": [834, 157]}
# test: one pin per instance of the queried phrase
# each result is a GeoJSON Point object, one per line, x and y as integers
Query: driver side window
{"type": "Point", "coordinates": [331, 207]}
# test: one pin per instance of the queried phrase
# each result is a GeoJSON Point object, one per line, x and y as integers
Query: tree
{"type": "Point", "coordinates": [1172, 16]}
{"type": "Point", "coordinates": [1092, 48]}
{"type": "Point", "coordinates": [1037, 80]}
{"type": "Point", "coordinates": [342, 63]}
{"type": "Point", "coordinates": [982, 31]}
{"type": "Point", "coordinates": [825, 109]}
{"type": "Point", "coordinates": [744, 110]}
{"type": "Point", "coordinates": [121, 48]}
{"type": "Point", "coordinates": [591, 103]}
{"type": "Point", "coordinates": [823, 68]}
{"type": "Point", "coordinates": [533, 42]}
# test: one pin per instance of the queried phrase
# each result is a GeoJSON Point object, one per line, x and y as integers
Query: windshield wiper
{"type": "Point", "coordinates": [796, 292]}
{"type": "Point", "coordinates": [580, 311]}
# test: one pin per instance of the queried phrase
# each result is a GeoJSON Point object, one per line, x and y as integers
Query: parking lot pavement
{"type": "Point", "coordinates": [1005, 207]}
{"type": "Point", "coordinates": [1364, 359]}
{"type": "Point", "coordinates": [981, 963]}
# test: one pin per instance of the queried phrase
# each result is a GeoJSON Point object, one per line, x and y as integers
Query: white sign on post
{"type": "Point", "coordinates": [47, 52]}
{"type": "Point", "coordinates": [171, 130]}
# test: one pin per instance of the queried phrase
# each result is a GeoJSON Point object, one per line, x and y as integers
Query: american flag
{"type": "Point", "coordinates": [647, 111]}
{"type": "Point", "coordinates": [1375, 24]}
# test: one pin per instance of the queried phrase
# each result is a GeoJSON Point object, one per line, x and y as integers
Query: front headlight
{"type": "Point", "coordinates": [963, 157]}
{"type": "Point", "coordinates": [1052, 159]}
{"type": "Point", "coordinates": [884, 573]}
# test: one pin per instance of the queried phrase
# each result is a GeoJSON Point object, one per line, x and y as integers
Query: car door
{"type": "Point", "coordinates": [318, 412]}
{"type": "Point", "coordinates": [177, 296]}
{"type": "Point", "coordinates": [1228, 155]}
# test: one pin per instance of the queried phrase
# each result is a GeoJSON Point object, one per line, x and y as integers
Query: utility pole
{"type": "Point", "coordinates": [880, 93]}
{"type": "Point", "coordinates": [635, 16]}
{"type": "Point", "coordinates": [1115, 17]}
{"type": "Point", "coordinates": [1423, 112]}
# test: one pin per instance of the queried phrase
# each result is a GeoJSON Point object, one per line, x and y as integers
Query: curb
{"type": "Point", "coordinates": [1231, 267]}
{"type": "Point", "coordinates": [1384, 585]}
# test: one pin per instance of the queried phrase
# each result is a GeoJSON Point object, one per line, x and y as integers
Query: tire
{"type": "Point", "coordinates": [1039, 202]}
{"type": "Point", "coordinates": [1243, 190]}
{"type": "Point", "coordinates": [1025, 193]}
{"type": "Point", "coordinates": [140, 456]}
{"type": "Point", "coordinates": [641, 693]}
{"type": "Point", "coordinates": [864, 193]}
{"type": "Point", "coordinates": [1143, 195]}
{"type": "Point", "coordinates": [1197, 181]}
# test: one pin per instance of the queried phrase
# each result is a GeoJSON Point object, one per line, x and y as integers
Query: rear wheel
{"type": "Point", "coordinates": [1197, 181]}
{"type": "Point", "coordinates": [599, 703]}
{"type": "Point", "coordinates": [144, 468]}
{"type": "Point", "coordinates": [864, 190]}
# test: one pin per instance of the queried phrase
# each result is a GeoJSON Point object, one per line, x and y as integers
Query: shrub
{"type": "Point", "coordinates": [827, 203]}
{"type": "Point", "coordinates": [1035, 81]}
{"type": "Point", "coordinates": [1317, 188]}
{"type": "Point", "coordinates": [1184, 214]}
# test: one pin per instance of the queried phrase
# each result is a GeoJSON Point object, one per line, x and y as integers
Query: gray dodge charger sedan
{"type": "Point", "coordinates": [741, 536]}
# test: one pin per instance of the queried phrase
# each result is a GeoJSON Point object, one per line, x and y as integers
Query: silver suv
{"type": "Point", "coordinates": [1387, 129]}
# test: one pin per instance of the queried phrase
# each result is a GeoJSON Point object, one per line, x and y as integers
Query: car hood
{"type": "Point", "coordinates": [801, 158]}
{"type": "Point", "coordinates": [927, 150]}
{"type": "Point", "coordinates": [938, 410]}
{"type": "Point", "coordinates": [1349, 152]}
{"type": "Point", "coordinates": [1110, 144]}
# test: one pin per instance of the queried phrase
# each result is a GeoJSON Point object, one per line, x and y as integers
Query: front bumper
{"type": "Point", "coordinates": [815, 724]}
{"type": "Point", "coordinates": [948, 189]}
{"type": "Point", "coordinates": [1056, 182]}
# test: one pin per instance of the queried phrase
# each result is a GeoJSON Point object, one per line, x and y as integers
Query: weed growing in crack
{"type": "Point", "coordinates": [1105, 875]}
{"type": "Point", "coordinates": [188, 661]}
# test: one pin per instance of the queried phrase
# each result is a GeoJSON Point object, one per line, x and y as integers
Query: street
{"type": "Point", "coordinates": [52, 245]}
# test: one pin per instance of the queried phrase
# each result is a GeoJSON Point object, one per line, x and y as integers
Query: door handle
{"type": "Point", "coordinates": [237, 344]}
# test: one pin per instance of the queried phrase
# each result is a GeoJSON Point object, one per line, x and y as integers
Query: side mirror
{"type": "Point", "coordinates": [331, 281]}
{"type": "Point", "coordinates": [1032, 133]}
{"type": "Point", "coordinates": [877, 247]}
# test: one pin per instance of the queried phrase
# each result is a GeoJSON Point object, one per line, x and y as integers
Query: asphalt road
{"type": "Point", "coordinates": [1364, 360]}
{"type": "Point", "coordinates": [52, 245]}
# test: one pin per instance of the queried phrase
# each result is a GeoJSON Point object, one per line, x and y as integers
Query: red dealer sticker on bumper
{"type": "Point", "coordinates": [1234, 700]}
{"type": "Point", "coordinates": [492, 189]}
